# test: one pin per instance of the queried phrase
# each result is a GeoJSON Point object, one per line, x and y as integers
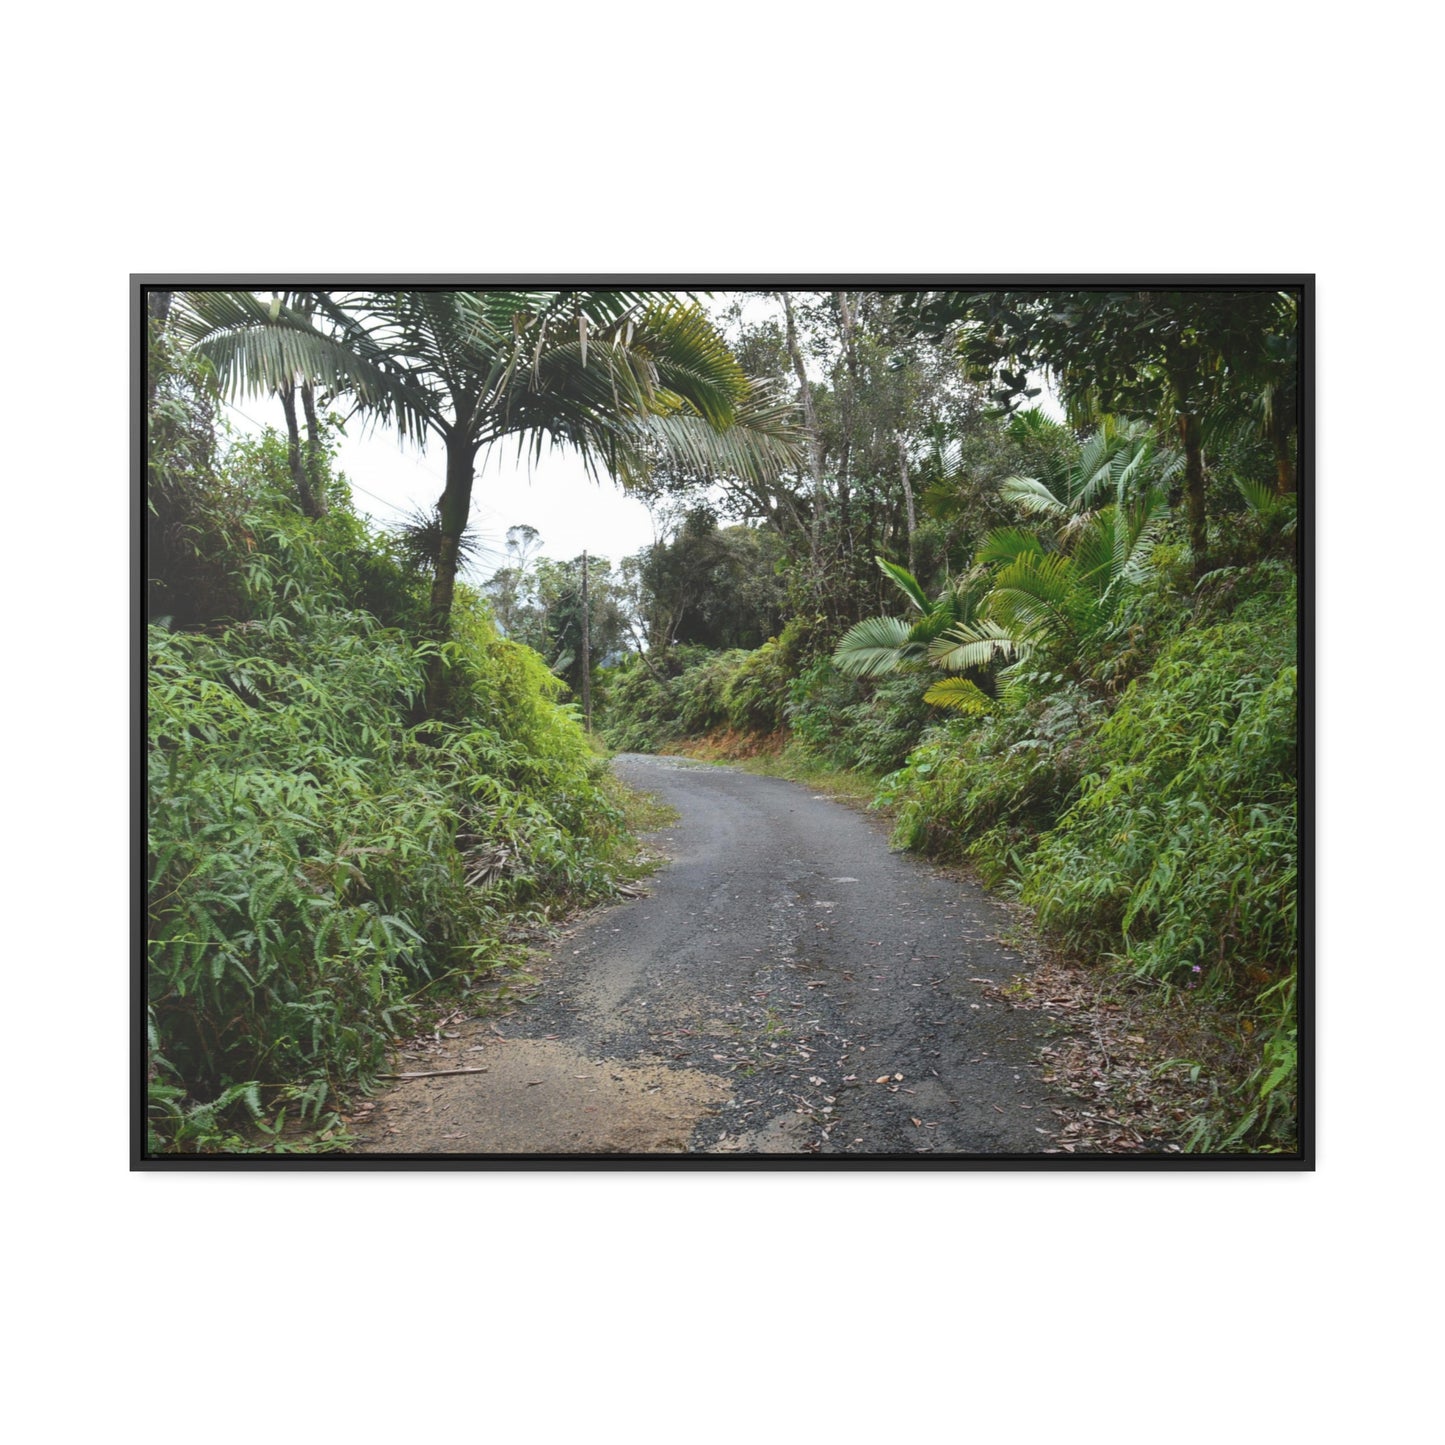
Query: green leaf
{"type": "Point", "coordinates": [873, 647]}
{"type": "Point", "coordinates": [907, 584]}
{"type": "Point", "coordinates": [959, 694]}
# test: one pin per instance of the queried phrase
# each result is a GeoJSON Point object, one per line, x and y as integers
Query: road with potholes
{"type": "Point", "coordinates": [787, 986]}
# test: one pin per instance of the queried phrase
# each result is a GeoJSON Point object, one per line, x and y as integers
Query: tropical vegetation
{"type": "Point", "coordinates": [1071, 660]}
{"type": "Point", "coordinates": [1024, 563]}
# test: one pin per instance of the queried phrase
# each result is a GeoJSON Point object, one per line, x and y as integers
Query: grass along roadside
{"type": "Point", "coordinates": [776, 756]}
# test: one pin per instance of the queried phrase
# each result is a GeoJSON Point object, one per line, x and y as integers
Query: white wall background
{"type": "Point", "coordinates": [632, 140]}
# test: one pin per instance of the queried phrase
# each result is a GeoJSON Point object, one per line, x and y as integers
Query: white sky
{"type": "Point", "coordinates": [573, 514]}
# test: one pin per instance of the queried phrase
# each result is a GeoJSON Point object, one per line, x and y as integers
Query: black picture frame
{"type": "Point", "coordinates": [1303, 1159]}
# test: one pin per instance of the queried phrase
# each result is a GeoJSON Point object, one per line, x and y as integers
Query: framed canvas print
{"type": "Point", "coordinates": [722, 722]}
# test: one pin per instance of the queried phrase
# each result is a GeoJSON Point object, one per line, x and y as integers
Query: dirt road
{"type": "Point", "coordinates": [790, 986]}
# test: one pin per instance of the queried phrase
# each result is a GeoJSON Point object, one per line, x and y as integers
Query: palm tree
{"type": "Point", "coordinates": [1044, 600]}
{"type": "Point", "coordinates": [880, 645]}
{"type": "Point", "coordinates": [1051, 590]}
{"type": "Point", "coordinates": [1118, 462]}
{"type": "Point", "coordinates": [622, 376]}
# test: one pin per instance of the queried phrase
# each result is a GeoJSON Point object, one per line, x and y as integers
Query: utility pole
{"type": "Point", "coordinates": [586, 649]}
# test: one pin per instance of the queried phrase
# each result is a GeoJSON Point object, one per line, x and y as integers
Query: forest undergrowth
{"type": "Point", "coordinates": [1142, 821]}
{"type": "Point", "coordinates": [1054, 639]}
{"type": "Point", "coordinates": [327, 863]}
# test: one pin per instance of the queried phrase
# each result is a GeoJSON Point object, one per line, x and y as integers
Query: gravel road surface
{"type": "Point", "coordinates": [788, 986]}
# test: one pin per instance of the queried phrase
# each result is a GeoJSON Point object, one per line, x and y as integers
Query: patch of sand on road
{"type": "Point", "coordinates": [541, 1097]}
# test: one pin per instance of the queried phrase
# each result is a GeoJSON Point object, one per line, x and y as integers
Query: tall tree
{"type": "Point", "coordinates": [1173, 357]}
{"type": "Point", "coordinates": [620, 376]}
{"type": "Point", "coordinates": [872, 390]}
{"type": "Point", "coordinates": [710, 585]}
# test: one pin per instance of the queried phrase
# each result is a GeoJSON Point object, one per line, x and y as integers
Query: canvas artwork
{"type": "Point", "coordinates": [723, 722]}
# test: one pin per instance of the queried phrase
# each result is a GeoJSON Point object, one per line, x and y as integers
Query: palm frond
{"type": "Point", "coordinates": [1007, 544]}
{"type": "Point", "coordinates": [967, 595]}
{"type": "Point", "coordinates": [1035, 426]}
{"type": "Point", "coordinates": [1114, 547]}
{"type": "Point", "coordinates": [692, 360]}
{"type": "Point", "coordinates": [1095, 549]}
{"type": "Point", "coordinates": [1142, 526]}
{"type": "Point", "coordinates": [977, 645]}
{"type": "Point", "coordinates": [257, 347]}
{"type": "Point", "coordinates": [1036, 595]}
{"type": "Point", "coordinates": [761, 443]}
{"type": "Point", "coordinates": [1093, 470]}
{"type": "Point", "coordinates": [906, 583]}
{"type": "Point", "coordinates": [1259, 497]}
{"type": "Point", "coordinates": [1139, 466]}
{"type": "Point", "coordinates": [1033, 495]}
{"type": "Point", "coordinates": [875, 646]}
{"type": "Point", "coordinates": [959, 694]}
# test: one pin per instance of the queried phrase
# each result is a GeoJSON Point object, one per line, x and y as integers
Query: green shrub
{"type": "Point", "coordinates": [984, 788]}
{"type": "Point", "coordinates": [757, 690]}
{"type": "Point", "coordinates": [316, 858]}
{"type": "Point", "coordinates": [635, 711]}
{"type": "Point", "coordinates": [702, 691]}
{"type": "Point", "coordinates": [1181, 848]}
{"type": "Point", "coordinates": [858, 723]}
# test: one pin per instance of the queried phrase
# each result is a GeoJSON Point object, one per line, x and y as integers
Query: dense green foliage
{"type": "Point", "coordinates": [710, 586]}
{"type": "Point", "coordinates": [1063, 650]}
{"type": "Point", "coordinates": [1181, 841]}
{"type": "Point", "coordinates": [320, 855]}
{"type": "Point", "coordinates": [1086, 686]}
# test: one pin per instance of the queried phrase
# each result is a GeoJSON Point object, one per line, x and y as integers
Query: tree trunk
{"type": "Point", "coordinates": [646, 660]}
{"type": "Point", "coordinates": [453, 510]}
{"type": "Point", "coordinates": [158, 307]}
{"type": "Point", "coordinates": [316, 483]}
{"type": "Point", "coordinates": [848, 395]}
{"type": "Point", "coordinates": [908, 497]}
{"type": "Point", "coordinates": [1192, 439]}
{"type": "Point", "coordinates": [815, 446]}
{"type": "Point", "coordinates": [299, 478]}
{"type": "Point", "coordinates": [1279, 440]}
{"type": "Point", "coordinates": [586, 649]}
